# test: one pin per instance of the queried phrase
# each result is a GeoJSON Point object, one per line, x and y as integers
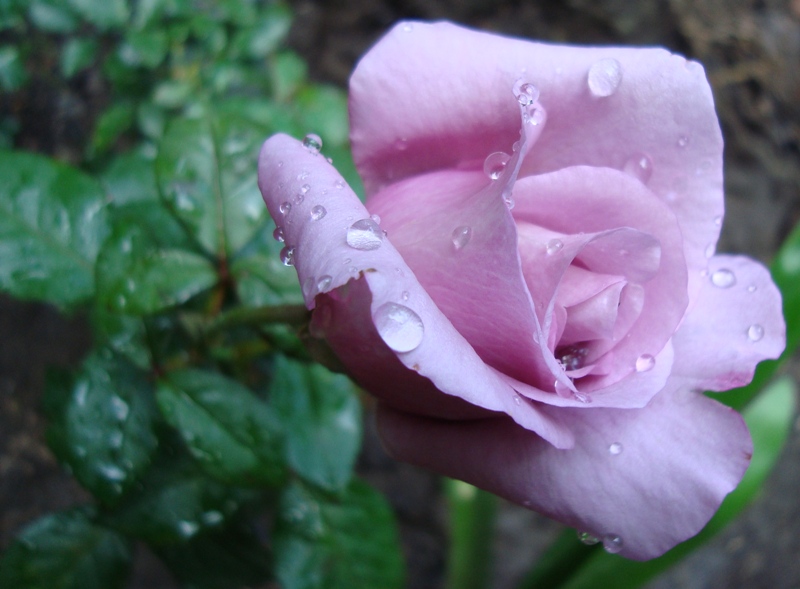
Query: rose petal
{"type": "Point", "coordinates": [658, 485]}
{"type": "Point", "coordinates": [378, 277]}
{"type": "Point", "coordinates": [420, 115]}
{"type": "Point", "coordinates": [735, 323]}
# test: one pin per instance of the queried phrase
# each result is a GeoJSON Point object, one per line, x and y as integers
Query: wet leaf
{"type": "Point", "coordinates": [233, 435]}
{"type": "Point", "coordinates": [136, 277]}
{"type": "Point", "coordinates": [130, 177]}
{"type": "Point", "coordinates": [12, 69]}
{"type": "Point", "coordinates": [207, 175]}
{"type": "Point", "coordinates": [322, 417]}
{"type": "Point", "coordinates": [264, 35]}
{"type": "Point", "coordinates": [101, 423]}
{"type": "Point", "coordinates": [323, 110]}
{"type": "Point", "coordinates": [103, 14]}
{"type": "Point", "coordinates": [144, 48]}
{"type": "Point", "coordinates": [52, 16]}
{"type": "Point", "coordinates": [77, 55]}
{"type": "Point", "coordinates": [52, 222]}
{"type": "Point", "coordinates": [112, 123]}
{"type": "Point", "coordinates": [66, 551]}
{"type": "Point", "coordinates": [320, 542]}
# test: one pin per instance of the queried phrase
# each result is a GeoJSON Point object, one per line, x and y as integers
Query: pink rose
{"type": "Point", "coordinates": [531, 289]}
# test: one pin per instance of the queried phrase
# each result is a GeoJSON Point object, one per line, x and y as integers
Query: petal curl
{"type": "Point", "coordinates": [362, 281]}
{"type": "Point", "coordinates": [675, 461]}
{"type": "Point", "coordinates": [735, 323]}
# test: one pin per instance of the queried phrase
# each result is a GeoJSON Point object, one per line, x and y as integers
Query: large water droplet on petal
{"type": "Point", "coordinates": [645, 362]}
{"type": "Point", "coordinates": [461, 236]}
{"type": "Point", "coordinates": [312, 143]}
{"type": "Point", "coordinates": [285, 207]}
{"type": "Point", "coordinates": [755, 332]}
{"type": "Point", "coordinates": [318, 212]}
{"type": "Point", "coordinates": [612, 543]}
{"type": "Point", "coordinates": [495, 163]}
{"type": "Point", "coordinates": [287, 256]}
{"type": "Point", "coordinates": [526, 92]}
{"type": "Point", "coordinates": [324, 282]}
{"type": "Point", "coordinates": [562, 390]}
{"type": "Point", "coordinates": [364, 235]}
{"type": "Point", "coordinates": [640, 166]}
{"type": "Point", "coordinates": [723, 278]}
{"type": "Point", "coordinates": [615, 449]}
{"type": "Point", "coordinates": [278, 235]}
{"type": "Point", "coordinates": [604, 77]}
{"type": "Point", "coordinates": [554, 245]}
{"type": "Point", "coordinates": [399, 327]}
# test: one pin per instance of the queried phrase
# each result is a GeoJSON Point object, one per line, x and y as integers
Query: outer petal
{"type": "Point", "coordinates": [735, 323]}
{"type": "Point", "coordinates": [676, 461]}
{"type": "Point", "coordinates": [435, 96]}
{"type": "Point", "coordinates": [326, 264]}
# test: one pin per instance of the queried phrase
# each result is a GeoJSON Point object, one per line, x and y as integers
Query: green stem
{"type": "Point", "coordinates": [565, 556]}
{"type": "Point", "coordinates": [472, 514]}
{"type": "Point", "coordinates": [285, 314]}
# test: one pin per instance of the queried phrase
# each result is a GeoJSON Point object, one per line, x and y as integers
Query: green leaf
{"type": "Point", "coordinates": [144, 48]}
{"type": "Point", "coordinates": [52, 16]}
{"type": "Point", "coordinates": [323, 110]}
{"type": "Point", "coordinates": [77, 55]}
{"type": "Point", "coordinates": [112, 123]}
{"type": "Point", "coordinates": [130, 177]}
{"type": "Point", "coordinates": [233, 435]}
{"type": "Point", "coordinates": [288, 72]}
{"type": "Point", "coordinates": [322, 542]}
{"type": "Point", "coordinates": [12, 69]}
{"type": "Point", "coordinates": [175, 502]}
{"type": "Point", "coordinates": [124, 334]}
{"type": "Point", "coordinates": [322, 416]}
{"type": "Point", "coordinates": [227, 558]}
{"type": "Point", "coordinates": [102, 423]}
{"type": "Point", "coordinates": [136, 277]}
{"type": "Point", "coordinates": [52, 222]}
{"type": "Point", "coordinates": [173, 93]}
{"type": "Point", "coordinates": [261, 38]}
{"type": "Point", "coordinates": [66, 551]}
{"type": "Point", "coordinates": [769, 418]}
{"type": "Point", "coordinates": [103, 14]}
{"type": "Point", "coordinates": [206, 170]}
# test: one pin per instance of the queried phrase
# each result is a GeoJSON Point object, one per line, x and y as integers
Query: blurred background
{"type": "Point", "coordinates": [751, 52]}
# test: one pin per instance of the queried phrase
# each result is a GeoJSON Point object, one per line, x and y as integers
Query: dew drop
{"type": "Point", "coordinates": [298, 198]}
{"type": "Point", "coordinates": [612, 543]}
{"type": "Point", "coordinates": [615, 449]}
{"type": "Point", "coordinates": [309, 284]}
{"type": "Point", "coordinates": [517, 400]}
{"type": "Point", "coordinates": [604, 77]}
{"type": "Point", "coordinates": [305, 188]}
{"type": "Point", "coordinates": [583, 397]}
{"type": "Point", "coordinates": [562, 390]}
{"type": "Point", "coordinates": [554, 245]}
{"type": "Point", "coordinates": [723, 278]}
{"type": "Point", "coordinates": [495, 163]}
{"type": "Point", "coordinates": [339, 184]}
{"type": "Point", "coordinates": [324, 282]}
{"type": "Point", "coordinates": [313, 143]}
{"type": "Point", "coordinates": [752, 288]}
{"type": "Point", "coordinates": [364, 235]}
{"type": "Point", "coordinates": [278, 235]}
{"type": "Point", "coordinates": [461, 236]}
{"type": "Point", "coordinates": [399, 327]}
{"type": "Point", "coordinates": [640, 166]}
{"type": "Point", "coordinates": [645, 363]}
{"type": "Point", "coordinates": [526, 93]}
{"type": "Point", "coordinates": [287, 256]}
{"type": "Point", "coordinates": [508, 200]}
{"type": "Point", "coordinates": [318, 212]}
{"type": "Point", "coordinates": [285, 207]}
{"type": "Point", "coordinates": [405, 295]}
{"type": "Point", "coordinates": [587, 538]}
{"type": "Point", "coordinates": [755, 332]}
{"type": "Point", "coordinates": [376, 218]}
{"type": "Point", "coordinates": [683, 141]}
{"type": "Point", "coordinates": [710, 249]}
{"type": "Point", "coordinates": [303, 175]}
{"type": "Point", "coordinates": [534, 117]}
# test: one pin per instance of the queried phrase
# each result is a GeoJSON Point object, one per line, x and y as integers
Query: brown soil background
{"type": "Point", "coordinates": [751, 51]}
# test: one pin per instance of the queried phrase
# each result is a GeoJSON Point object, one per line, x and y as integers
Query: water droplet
{"type": "Point", "coordinates": [554, 245]}
{"type": "Point", "coordinates": [583, 397]}
{"type": "Point", "coordinates": [615, 449]}
{"type": "Point", "coordinates": [119, 408]}
{"type": "Point", "coordinates": [587, 538]}
{"type": "Point", "coordinates": [572, 357]}
{"type": "Point", "coordinates": [683, 141]}
{"type": "Point", "coordinates": [324, 282]}
{"type": "Point", "coordinates": [405, 295]}
{"type": "Point", "coordinates": [517, 400]}
{"type": "Point", "coordinates": [534, 116]}
{"type": "Point", "coordinates": [303, 175]}
{"type": "Point", "coordinates": [461, 236]}
{"type": "Point", "coordinates": [287, 256]}
{"type": "Point", "coordinates": [640, 166]}
{"type": "Point", "coordinates": [526, 93]}
{"type": "Point", "coordinates": [407, 28]}
{"type": "Point", "coordinates": [285, 207]}
{"type": "Point", "coordinates": [376, 218]}
{"type": "Point", "coordinates": [562, 390]}
{"type": "Point", "coordinates": [718, 220]}
{"type": "Point", "coordinates": [723, 278]}
{"type": "Point", "coordinates": [508, 199]}
{"type": "Point", "coordinates": [755, 332]}
{"type": "Point", "coordinates": [495, 163]}
{"type": "Point", "coordinates": [277, 234]}
{"type": "Point", "coordinates": [710, 249]}
{"type": "Point", "coordinates": [298, 198]}
{"type": "Point", "coordinates": [329, 159]}
{"type": "Point", "coordinates": [312, 143]}
{"type": "Point", "coordinates": [318, 212]}
{"type": "Point", "coordinates": [399, 327]}
{"type": "Point", "coordinates": [364, 235]}
{"type": "Point", "coordinates": [645, 362]}
{"type": "Point", "coordinates": [604, 77]}
{"type": "Point", "coordinates": [752, 288]}
{"type": "Point", "coordinates": [339, 184]}
{"type": "Point", "coordinates": [612, 543]}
